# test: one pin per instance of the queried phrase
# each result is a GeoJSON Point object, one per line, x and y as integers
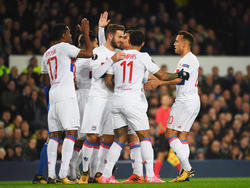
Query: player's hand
{"type": "Point", "coordinates": [103, 20]}
{"type": "Point", "coordinates": [152, 84]}
{"type": "Point", "coordinates": [118, 56]}
{"type": "Point", "coordinates": [183, 74]}
{"type": "Point", "coordinates": [84, 26]}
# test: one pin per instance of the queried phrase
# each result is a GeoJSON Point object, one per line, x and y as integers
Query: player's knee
{"type": "Point", "coordinates": [92, 138]}
{"type": "Point", "coordinates": [143, 134]}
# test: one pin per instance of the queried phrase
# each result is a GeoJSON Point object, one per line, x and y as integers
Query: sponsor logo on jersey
{"type": "Point", "coordinates": [185, 65]}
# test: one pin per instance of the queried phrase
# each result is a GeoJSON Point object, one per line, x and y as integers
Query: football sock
{"type": "Point", "coordinates": [102, 156]}
{"type": "Point", "coordinates": [135, 155]}
{"type": "Point", "coordinates": [52, 156]}
{"type": "Point", "coordinates": [148, 156]}
{"type": "Point", "coordinates": [67, 151]}
{"type": "Point", "coordinates": [94, 158]}
{"type": "Point", "coordinates": [178, 149]}
{"type": "Point", "coordinates": [113, 156]}
{"type": "Point", "coordinates": [43, 163]}
{"type": "Point", "coordinates": [157, 167]}
{"type": "Point", "coordinates": [186, 148]}
{"type": "Point", "coordinates": [87, 150]}
{"type": "Point", "coordinates": [73, 161]}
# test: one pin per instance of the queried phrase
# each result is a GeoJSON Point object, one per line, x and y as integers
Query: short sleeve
{"type": "Point", "coordinates": [71, 50]}
{"type": "Point", "coordinates": [44, 69]}
{"type": "Point", "coordinates": [185, 65]}
{"type": "Point", "coordinates": [150, 66]}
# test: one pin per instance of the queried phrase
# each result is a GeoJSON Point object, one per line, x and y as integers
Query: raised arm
{"type": "Point", "coordinates": [103, 22]}
{"type": "Point", "coordinates": [84, 28]}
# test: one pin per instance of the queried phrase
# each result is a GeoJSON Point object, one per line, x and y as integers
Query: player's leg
{"type": "Point", "coordinates": [69, 118]}
{"type": "Point", "coordinates": [161, 155]}
{"type": "Point", "coordinates": [43, 163]}
{"type": "Point", "coordinates": [135, 155]}
{"type": "Point", "coordinates": [138, 120]}
{"type": "Point", "coordinates": [114, 154]}
{"type": "Point", "coordinates": [105, 144]}
{"type": "Point", "coordinates": [179, 122]}
{"type": "Point", "coordinates": [93, 162]}
{"type": "Point", "coordinates": [74, 159]}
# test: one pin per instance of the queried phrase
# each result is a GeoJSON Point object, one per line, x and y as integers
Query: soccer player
{"type": "Point", "coordinates": [97, 115]}
{"type": "Point", "coordinates": [64, 112]}
{"type": "Point", "coordinates": [83, 82]}
{"type": "Point", "coordinates": [128, 106]}
{"type": "Point", "coordinates": [186, 106]}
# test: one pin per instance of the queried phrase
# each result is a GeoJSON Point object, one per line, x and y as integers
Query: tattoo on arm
{"type": "Point", "coordinates": [170, 76]}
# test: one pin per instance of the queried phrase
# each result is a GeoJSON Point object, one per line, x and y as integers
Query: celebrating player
{"type": "Point", "coordinates": [186, 106]}
{"type": "Point", "coordinates": [64, 112]}
{"type": "Point", "coordinates": [128, 107]}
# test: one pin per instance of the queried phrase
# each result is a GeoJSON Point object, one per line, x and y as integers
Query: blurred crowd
{"type": "Point", "coordinates": [221, 27]}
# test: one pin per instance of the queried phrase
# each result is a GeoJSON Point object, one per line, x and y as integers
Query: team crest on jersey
{"type": "Point", "coordinates": [93, 128]}
{"type": "Point", "coordinates": [185, 65]}
{"type": "Point", "coordinates": [94, 56]}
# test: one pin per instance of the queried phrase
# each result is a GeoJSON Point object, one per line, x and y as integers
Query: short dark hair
{"type": "Point", "coordinates": [112, 28]}
{"type": "Point", "coordinates": [187, 36]}
{"type": "Point", "coordinates": [92, 37]}
{"type": "Point", "coordinates": [136, 37]}
{"type": "Point", "coordinates": [57, 31]}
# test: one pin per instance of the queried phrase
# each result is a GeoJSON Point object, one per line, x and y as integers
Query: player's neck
{"type": "Point", "coordinates": [109, 46]}
{"type": "Point", "coordinates": [138, 48]}
{"type": "Point", "coordinates": [185, 51]}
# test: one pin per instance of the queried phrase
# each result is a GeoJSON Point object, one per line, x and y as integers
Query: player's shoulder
{"type": "Point", "coordinates": [98, 49]}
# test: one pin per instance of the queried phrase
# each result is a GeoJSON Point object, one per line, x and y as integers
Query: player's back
{"type": "Point", "coordinates": [57, 62]}
{"type": "Point", "coordinates": [129, 74]}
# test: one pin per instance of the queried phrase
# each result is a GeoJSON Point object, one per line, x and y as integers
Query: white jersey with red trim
{"type": "Point", "coordinates": [83, 73]}
{"type": "Point", "coordinates": [130, 72]}
{"type": "Point", "coordinates": [188, 89]}
{"type": "Point", "coordinates": [59, 64]}
{"type": "Point", "coordinates": [99, 68]}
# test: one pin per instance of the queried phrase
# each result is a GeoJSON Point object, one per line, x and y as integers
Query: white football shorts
{"type": "Point", "coordinates": [82, 98]}
{"type": "Point", "coordinates": [134, 116]}
{"type": "Point", "coordinates": [64, 115]}
{"type": "Point", "coordinates": [183, 114]}
{"type": "Point", "coordinates": [97, 116]}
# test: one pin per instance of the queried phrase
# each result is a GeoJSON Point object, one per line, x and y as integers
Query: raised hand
{"type": "Point", "coordinates": [103, 20]}
{"type": "Point", "coordinates": [84, 26]}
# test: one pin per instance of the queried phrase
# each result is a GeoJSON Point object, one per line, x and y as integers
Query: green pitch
{"type": "Point", "coordinates": [194, 183]}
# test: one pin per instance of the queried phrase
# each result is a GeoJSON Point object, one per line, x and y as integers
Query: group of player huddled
{"type": "Point", "coordinates": [97, 98]}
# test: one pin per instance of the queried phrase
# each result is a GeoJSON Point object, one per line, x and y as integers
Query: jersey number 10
{"type": "Point", "coordinates": [50, 69]}
{"type": "Point", "coordinates": [130, 64]}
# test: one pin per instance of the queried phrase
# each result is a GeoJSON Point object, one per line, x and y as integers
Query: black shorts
{"type": "Point", "coordinates": [162, 143]}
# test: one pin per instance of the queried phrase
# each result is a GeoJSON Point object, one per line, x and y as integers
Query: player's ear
{"type": "Point", "coordinates": [110, 36]}
{"type": "Point", "coordinates": [142, 44]}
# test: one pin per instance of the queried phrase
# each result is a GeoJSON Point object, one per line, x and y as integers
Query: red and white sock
{"type": "Point", "coordinates": [87, 150]}
{"type": "Point", "coordinates": [178, 149]}
{"type": "Point", "coordinates": [52, 156]}
{"type": "Point", "coordinates": [93, 162]}
{"type": "Point", "coordinates": [102, 156]}
{"type": "Point", "coordinates": [67, 151]}
{"type": "Point", "coordinates": [135, 155]}
{"type": "Point", "coordinates": [113, 156]}
{"type": "Point", "coordinates": [148, 156]}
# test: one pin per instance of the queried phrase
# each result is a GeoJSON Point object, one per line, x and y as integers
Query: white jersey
{"type": "Point", "coordinates": [130, 72]}
{"type": "Point", "coordinates": [188, 89]}
{"type": "Point", "coordinates": [83, 73]}
{"type": "Point", "coordinates": [99, 68]}
{"type": "Point", "coordinates": [57, 62]}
